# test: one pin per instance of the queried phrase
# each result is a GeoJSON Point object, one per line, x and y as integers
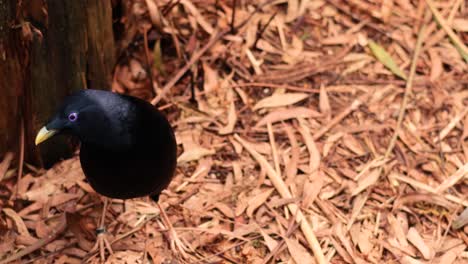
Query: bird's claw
{"type": "Point", "coordinates": [102, 243]}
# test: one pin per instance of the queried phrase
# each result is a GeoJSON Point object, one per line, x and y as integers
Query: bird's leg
{"type": "Point", "coordinates": [101, 240]}
{"type": "Point", "coordinates": [175, 242]}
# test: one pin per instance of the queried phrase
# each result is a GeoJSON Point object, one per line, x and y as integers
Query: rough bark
{"type": "Point", "coordinates": [11, 78]}
{"type": "Point", "coordinates": [72, 49]}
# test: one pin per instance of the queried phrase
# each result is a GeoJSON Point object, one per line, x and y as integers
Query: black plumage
{"type": "Point", "coordinates": [128, 148]}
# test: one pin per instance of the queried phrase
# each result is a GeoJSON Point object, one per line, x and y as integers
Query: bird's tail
{"type": "Point", "coordinates": [155, 197]}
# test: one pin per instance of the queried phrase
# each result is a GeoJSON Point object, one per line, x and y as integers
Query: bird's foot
{"type": "Point", "coordinates": [102, 243]}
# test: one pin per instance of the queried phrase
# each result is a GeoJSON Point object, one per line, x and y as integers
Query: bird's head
{"type": "Point", "coordinates": [92, 116]}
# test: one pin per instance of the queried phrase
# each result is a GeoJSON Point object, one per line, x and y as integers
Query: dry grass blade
{"type": "Point", "coordinates": [455, 39]}
{"type": "Point", "coordinates": [386, 59]}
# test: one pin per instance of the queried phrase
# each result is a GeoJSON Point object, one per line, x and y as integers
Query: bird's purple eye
{"type": "Point", "coordinates": [72, 117]}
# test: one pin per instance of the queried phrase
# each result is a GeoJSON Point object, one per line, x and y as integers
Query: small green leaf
{"type": "Point", "coordinates": [157, 58]}
{"type": "Point", "coordinates": [385, 58]}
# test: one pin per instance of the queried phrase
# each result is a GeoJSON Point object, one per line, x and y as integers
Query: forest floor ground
{"type": "Point", "coordinates": [350, 117]}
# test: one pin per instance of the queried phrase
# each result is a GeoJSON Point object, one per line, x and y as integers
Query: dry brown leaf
{"type": "Point", "coordinates": [204, 166]}
{"type": "Point", "coordinates": [286, 114]}
{"type": "Point", "coordinates": [154, 13]}
{"type": "Point", "coordinates": [386, 10]}
{"type": "Point", "coordinates": [19, 223]}
{"type": "Point", "coordinates": [277, 100]}
{"type": "Point", "coordinates": [314, 153]}
{"type": "Point", "coordinates": [339, 40]}
{"type": "Point", "coordinates": [270, 242]}
{"type": "Point", "coordinates": [460, 24]}
{"type": "Point", "coordinates": [324, 103]}
{"type": "Point", "coordinates": [451, 255]}
{"type": "Point", "coordinates": [362, 236]}
{"type": "Point", "coordinates": [291, 166]}
{"type": "Point", "coordinates": [242, 203]}
{"type": "Point", "coordinates": [257, 201]}
{"type": "Point", "coordinates": [312, 189]}
{"type": "Point", "coordinates": [398, 231]}
{"type": "Point", "coordinates": [298, 252]}
{"type": "Point", "coordinates": [353, 144]}
{"type": "Point", "coordinates": [410, 260]}
{"type": "Point", "coordinates": [232, 115]}
{"type": "Point", "coordinates": [461, 173]}
{"type": "Point", "coordinates": [436, 65]}
{"type": "Point", "coordinates": [5, 164]}
{"type": "Point", "coordinates": [223, 208]}
{"type": "Point", "coordinates": [195, 153]}
{"type": "Point", "coordinates": [415, 238]}
{"type": "Point", "coordinates": [198, 16]}
{"type": "Point", "coordinates": [366, 181]}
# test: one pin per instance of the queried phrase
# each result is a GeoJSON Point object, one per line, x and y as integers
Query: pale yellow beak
{"type": "Point", "coordinates": [44, 134]}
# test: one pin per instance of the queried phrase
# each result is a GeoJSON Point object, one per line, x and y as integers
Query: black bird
{"type": "Point", "coordinates": [128, 148]}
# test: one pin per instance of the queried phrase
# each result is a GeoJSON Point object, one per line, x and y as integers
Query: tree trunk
{"type": "Point", "coordinates": [75, 51]}
{"type": "Point", "coordinates": [11, 77]}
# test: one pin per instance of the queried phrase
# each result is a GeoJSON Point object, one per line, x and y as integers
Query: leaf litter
{"type": "Point", "coordinates": [301, 143]}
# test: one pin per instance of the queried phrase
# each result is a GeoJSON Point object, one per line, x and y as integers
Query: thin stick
{"type": "Point", "coordinates": [404, 103]}
{"type": "Point", "coordinates": [21, 155]}
{"type": "Point", "coordinates": [274, 149]}
{"type": "Point", "coordinates": [233, 17]}
{"type": "Point", "coordinates": [408, 91]}
{"type": "Point", "coordinates": [284, 192]}
{"type": "Point", "coordinates": [262, 30]}
{"type": "Point", "coordinates": [215, 37]}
